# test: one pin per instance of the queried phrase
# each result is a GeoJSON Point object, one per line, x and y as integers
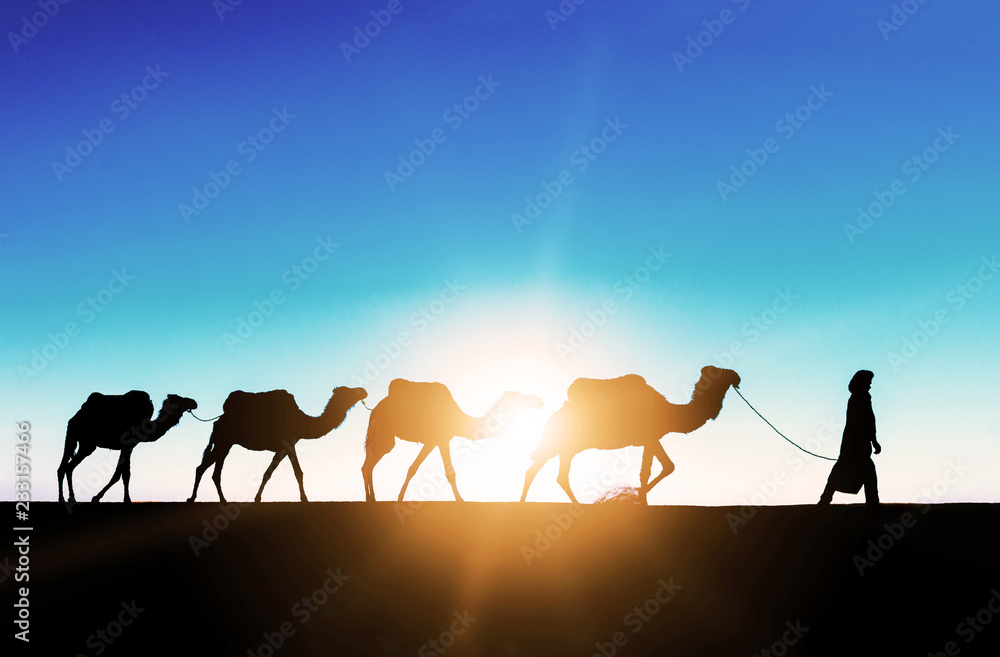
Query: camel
{"type": "Point", "coordinates": [614, 413]}
{"type": "Point", "coordinates": [118, 422]}
{"type": "Point", "coordinates": [426, 413]}
{"type": "Point", "coordinates": [272, 422]}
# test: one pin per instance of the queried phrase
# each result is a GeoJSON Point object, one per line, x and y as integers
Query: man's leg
{"type": "Point", "coordinates": [871, 486]}
{"type": "Point", "coordinates": [827, 495]}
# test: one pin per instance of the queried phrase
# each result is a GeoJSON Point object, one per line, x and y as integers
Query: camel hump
{"type": "Point", "coordinates": [620, 391]}
{"type": "Point", "coordinates": [426, 393]}
{"type": "Point", "coordinates": [133, 403]}
{"type": "Point", "coordinates": [273, 403]}
{"type": "Point", "coordinates": [598, 402]}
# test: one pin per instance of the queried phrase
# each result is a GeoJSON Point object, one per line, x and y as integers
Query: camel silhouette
{"type": "Point", "coordinates": [118, 422]}
{"type": "Point", "coordinates": [272, 422]}
{"type": "Point", "coordinates": [614, 413]}
{"type": "Point", "coordinates": [427, 413]}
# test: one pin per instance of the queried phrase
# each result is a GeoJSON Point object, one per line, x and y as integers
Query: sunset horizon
{"type": "Point", "coordinates": [508, 199]}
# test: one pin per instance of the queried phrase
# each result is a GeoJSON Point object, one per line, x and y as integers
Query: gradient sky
{"type": "Point", "coordinates": [736, 256]}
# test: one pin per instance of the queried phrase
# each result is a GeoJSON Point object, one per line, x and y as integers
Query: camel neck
{"type": "Point", "coordinates": [329, 420]}
{"type": "Point", "coordinates": [164, 422]}
{"type": "Point", "coordinates": [486, 426]}
{"type": "Point", "coordinates": [693, 415]}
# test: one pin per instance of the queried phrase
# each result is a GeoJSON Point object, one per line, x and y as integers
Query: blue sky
{"type": "Point", "coordinates": [837, 102]}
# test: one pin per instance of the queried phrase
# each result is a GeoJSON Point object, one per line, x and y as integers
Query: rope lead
{"type": "Point", "coordinates": [778, 432]}
{"type": "Point", "coordinates": [200, 420]}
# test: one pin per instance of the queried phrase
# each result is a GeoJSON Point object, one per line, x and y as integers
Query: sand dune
{"type": "Point", "coordinates": [511, 579]}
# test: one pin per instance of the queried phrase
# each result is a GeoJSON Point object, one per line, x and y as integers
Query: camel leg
{"type": "Point", "coordinates": [565, 460]}
{"type": "Point", "coordinates": [424, 451]}
{"type": "Point", "coordinates": [207, 459]}
{"type": "Point", "coordinates": [119, 472]}
{"type": "Point", "coordinates": [280, 454]}
{"type": "Point", "coordinates": [376, 441]}
{"type": "Point", "coordinates": [126, 468]}
{"type": "Point", "coordinates": [655, 450]}
{"type": "Point", "coordinates": [83, 452]}
{"type": "Point", "coordinates": [368, 470]}
{"type": "Point", "coordinates": [66, 457]}
{"type": "Point", "coordinates": [529, 476]}
{"type": "Point", "coordinates": [644, 470]}
{"type": "Point", "coordinates": [293, 457]}
{"type": "Point", "coordinates": [449, 469]}
{"type": "Point", "coordinates": [220, 460]}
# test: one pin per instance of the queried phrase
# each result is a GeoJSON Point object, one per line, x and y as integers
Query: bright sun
{"type": "Point", "coordinates": [479, 361]}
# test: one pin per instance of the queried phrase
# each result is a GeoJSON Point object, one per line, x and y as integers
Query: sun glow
{"type": "Point", "coordinates": [479, 362]}
{"type": "Point", "coordinates": [481, 352]}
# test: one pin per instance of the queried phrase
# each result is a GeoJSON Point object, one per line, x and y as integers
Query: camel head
{"type": "Point", "coordinates": [179, 405]}
{"type": "Point", "coordinates": [174, 407]}
{"type": "Point", "coordinates": [712, 387]}
{"type": "Point", "coordinates": [349, 396]}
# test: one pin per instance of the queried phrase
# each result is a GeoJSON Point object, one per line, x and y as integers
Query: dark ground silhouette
{"type": "Point", "coordinates": [515, 579]}
{"type": "Point", "coordinates": [270, 421]}
{"type": "Point", "coordinates": [118, 422]}
{"type": "Point", "coordinates": [615, 413]}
